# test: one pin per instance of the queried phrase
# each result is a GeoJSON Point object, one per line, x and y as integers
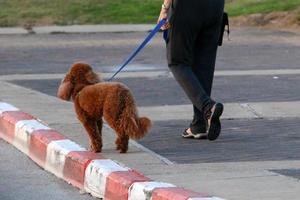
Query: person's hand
{"type": "Point", "coordinates": [163, 15]}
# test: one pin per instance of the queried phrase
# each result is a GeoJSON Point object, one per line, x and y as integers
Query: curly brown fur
{"type": "Point", "coordinates": [94, 100]}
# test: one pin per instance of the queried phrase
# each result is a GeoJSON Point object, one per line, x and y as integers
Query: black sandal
{"type": "Point", "coordinates": [213, 121]}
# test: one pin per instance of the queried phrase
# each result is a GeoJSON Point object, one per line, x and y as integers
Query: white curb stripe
{"type": "Point", "coordinates": [23, 131]}
{"type": "Point", "coordinates": [143, 190]}
{"type": "Point", "coordinates": [56, 155]}
{"type": "Point", "coordinates": [4, 107]}
{"type": "Point", "coordinates": [97, 172]}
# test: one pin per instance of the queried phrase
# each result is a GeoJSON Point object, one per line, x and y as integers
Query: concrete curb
{"type": "Point", "coordinates": [101, 28]}
{"type": "Point", "coordinates": [83, 169]}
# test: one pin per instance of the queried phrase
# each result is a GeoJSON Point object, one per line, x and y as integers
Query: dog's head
{"type": "Point", "coordinates": [80, 74]}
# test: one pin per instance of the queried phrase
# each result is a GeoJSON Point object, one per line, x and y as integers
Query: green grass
{"type": "Point", "coordinates": [244, 7]}
{"type": "Point", "coordinates": [67, 12]}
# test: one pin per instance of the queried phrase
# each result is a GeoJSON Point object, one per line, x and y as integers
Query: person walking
{"type": "Point", "coordinates": [193, 28]}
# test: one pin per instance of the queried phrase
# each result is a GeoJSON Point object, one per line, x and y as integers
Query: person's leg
{"type": "Point", "coordinates": [180, 52]}
{"type": "Point", "coordinates": [183, 35]}
{"type": "Point", "coordinates": [190, 84]}
{"type": "Point", "coordinates": [194, 90]}
{"type": "Point", "coordinates": [203, 68]}
{"type": "Point", "coordinates": [198, 124]}
{"type": "Point", "coordinates": [205, 58]}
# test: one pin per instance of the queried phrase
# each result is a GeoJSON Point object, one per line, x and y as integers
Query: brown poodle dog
{"type": "Point", "coordinates": [94, 99]}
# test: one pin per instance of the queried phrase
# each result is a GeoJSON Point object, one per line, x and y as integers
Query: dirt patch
{"type": "Point", "coordinates": [278, 20]}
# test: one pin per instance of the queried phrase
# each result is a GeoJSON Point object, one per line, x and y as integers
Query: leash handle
{"type": "Point", "coordinates": [139, 48]}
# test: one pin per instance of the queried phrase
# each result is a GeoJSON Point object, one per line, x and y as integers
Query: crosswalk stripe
{"type": "Point", "coordinates": [254, 110]}
{"type": "Point", "coordinates": [154, 74]}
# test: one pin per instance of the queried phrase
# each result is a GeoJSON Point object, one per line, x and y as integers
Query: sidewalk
{"type": "Point", "coordinates": [229, 180]}
{"type": "Point", "coordinates": [90, 172]}
{"type": "Point", "coordinates": [103, 28]}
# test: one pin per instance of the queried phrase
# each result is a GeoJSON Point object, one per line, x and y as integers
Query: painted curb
{"type": "Point", "coordinates": [83, 169]}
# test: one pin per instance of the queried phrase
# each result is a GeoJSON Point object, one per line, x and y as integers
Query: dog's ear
{"type": "Point", "coordinates": [92, 77]}
{"type": "Point", "coordinates": [65, 89]}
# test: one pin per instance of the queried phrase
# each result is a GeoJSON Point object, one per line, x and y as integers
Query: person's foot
{"type": "Point", "coordinates": [187, 133]}
{"type": "Point", "coordinates": [213, 121]}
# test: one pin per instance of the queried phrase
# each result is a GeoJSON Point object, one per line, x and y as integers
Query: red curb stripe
{"type": "Point", "coordinates": [75, 165]}
{"type": "Point", "coordinates": [175, 193]}
{"type": "Point", "coordinates": [118, 184]}
{"type": "Point", "coordinates": [8, 121]}
{"type": "Point", "coordinates": [39, 141]}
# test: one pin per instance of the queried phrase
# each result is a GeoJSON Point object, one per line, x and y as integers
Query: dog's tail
{"type": "Point", "coordinates": [136, 127]}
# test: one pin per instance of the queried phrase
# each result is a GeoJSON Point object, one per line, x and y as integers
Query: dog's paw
{"type": "Point", "coordinates": [95, 149]}
{"type": "Point", "coordinates": [123, 150]}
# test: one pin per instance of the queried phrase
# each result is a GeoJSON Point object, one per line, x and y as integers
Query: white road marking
{"type": "Point", "coordinates": [153, 74]}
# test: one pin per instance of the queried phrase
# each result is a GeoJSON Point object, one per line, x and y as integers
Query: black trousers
{"type": "Point", "coordinates": [191, 51]}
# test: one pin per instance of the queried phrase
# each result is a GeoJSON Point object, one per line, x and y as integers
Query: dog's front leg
{"type": "Point", "coordinates": [95, 137]}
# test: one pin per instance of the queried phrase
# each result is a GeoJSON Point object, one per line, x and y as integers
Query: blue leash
{"type": "Point", "coordinates": [147, 39]}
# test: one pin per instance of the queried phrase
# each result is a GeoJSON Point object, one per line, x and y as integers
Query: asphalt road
{"type": "Point", "coordinates": [248, 49]}
{"type": "Point", "coordinates": [22, 179]}
{"type": "Point", "coordinates": [243, 140]}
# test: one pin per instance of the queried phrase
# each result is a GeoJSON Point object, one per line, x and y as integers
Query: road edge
{"type": "Point", "coordinates": [88, 171]}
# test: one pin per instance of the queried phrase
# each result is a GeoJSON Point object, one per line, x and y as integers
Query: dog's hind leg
{"type": "Point", "coordinates": [122, 142]}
